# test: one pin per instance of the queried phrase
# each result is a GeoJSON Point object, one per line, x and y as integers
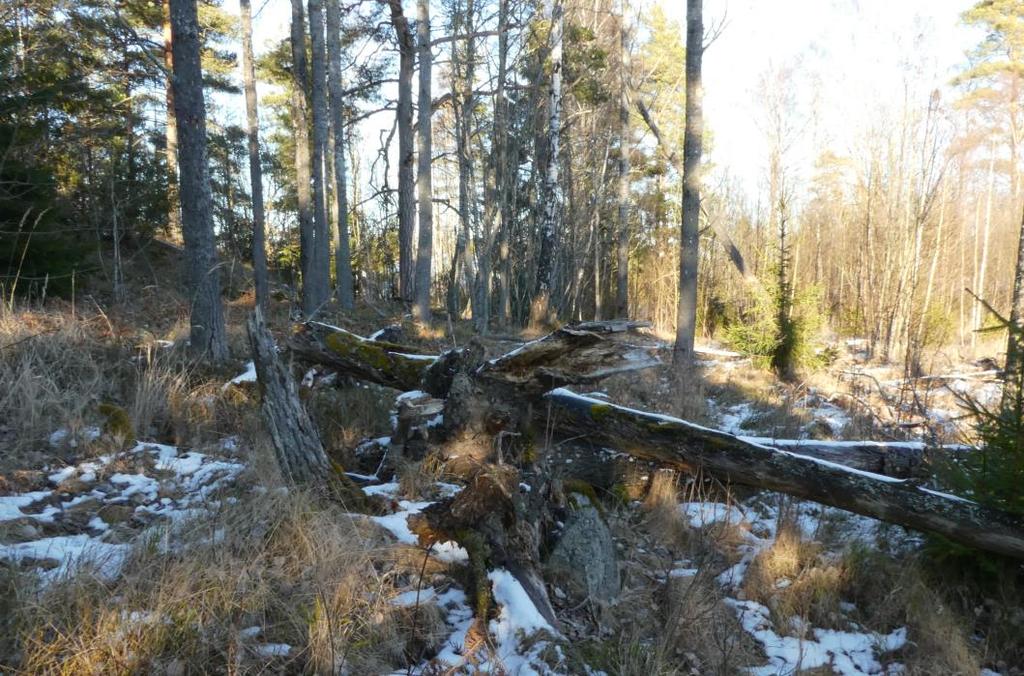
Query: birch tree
{"type": "Point", "coordinates": [551, 210]}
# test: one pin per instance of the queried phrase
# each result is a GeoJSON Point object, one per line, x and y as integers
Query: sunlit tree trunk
{"type": "Point", "coordinates": [622, 264]}
{"type": "Point", "coordinates": [424, 254]}
{"type": "Point", "coordinates": [551, 214]}
{"type": "Point", "coordinates": [171, 134]}
{"type": "Point", "coordinates": [686, 314]}
{"type": "Point", "coordinates": [259, 252]}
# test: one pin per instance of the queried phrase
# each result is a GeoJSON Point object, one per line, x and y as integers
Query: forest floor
{"type": "Point", "coordinates": [144, 526]}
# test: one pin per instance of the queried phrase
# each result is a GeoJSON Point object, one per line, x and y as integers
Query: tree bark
{"type": "Point", "coordinates": [303, 179]}
{"type": "Point", "coordinates": [424, 150]}
{"type": "Point", "coordinates": [1013, 388]}
{"type": "Point", "coordinates": [342, 253]}
{"type": "Point", "coordinates": [259, 251]}
{"type": "Point", "coordinates": [685, 445]}
{"type": "Point", "coordinates": [171, 134]}
{"type": "Point", "coordinates": [297, 446]}
{"type": "Point", "coordinates": [207, 333]}
{"type": "Point", "coordinates": [622, 268]}
{"type": "Point", "coordinates": [693, 137]}
{"type": "Point", "coordinates": [501, 171]}
{"type": "Point", "coordinates": [403, 115]}
{"type": "Point", "coordinates": [321, 266]}
{"type": "Point", "coordinates": [551, 215]}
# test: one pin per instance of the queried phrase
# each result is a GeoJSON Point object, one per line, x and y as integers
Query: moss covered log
{"type": "Point", "coordinates": [681, 444]}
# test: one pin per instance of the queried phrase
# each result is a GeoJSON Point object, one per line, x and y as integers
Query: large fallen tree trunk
{"type": "Point", "coordinates": [899, 459]}
{"type": "Point", "coordinates": [681, 444]}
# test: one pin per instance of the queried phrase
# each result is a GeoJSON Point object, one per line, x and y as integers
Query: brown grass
{"type": "Point", "coordinates": [303, 572]}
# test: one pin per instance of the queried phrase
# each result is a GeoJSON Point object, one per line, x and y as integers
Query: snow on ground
{"type": "Point", "coordinates": [848, 653]}
{"type": "Point", "coordinates": [248, 376]}
{"type": "Point", "coordinates": [518, 618]}
{"type": "Point", "coordinates": [96, 508]}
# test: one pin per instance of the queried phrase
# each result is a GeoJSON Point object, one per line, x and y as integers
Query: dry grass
{"type": "Point", "coordinates": [304, 573]}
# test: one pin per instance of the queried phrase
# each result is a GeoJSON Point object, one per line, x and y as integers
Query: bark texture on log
{"type": "Point", "coordinates": [379, 362]}
{"type": "Point", "coordinates": [681, 444]}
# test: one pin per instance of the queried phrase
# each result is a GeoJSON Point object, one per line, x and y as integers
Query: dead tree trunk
{"type": "Point", "coordinates": [297, 445]}
{"type": "Point", "coordinates": [681, 444]}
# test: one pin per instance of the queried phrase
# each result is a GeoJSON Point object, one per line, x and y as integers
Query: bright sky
{"type": "Point", "coordinates": [850, 56]}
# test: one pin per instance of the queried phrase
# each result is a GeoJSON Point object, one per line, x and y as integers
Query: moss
{"type": "Point", "coordinates": [376, 356]}
{"type": "Point", "coordinates": [579, 487]}
{"type": "Point", "coordinates": [479, 553]}
{"type": "Point", "coordinates": [529, 450]}
{"type": "Point", "coordinates": [620, 492]}
{"type": "Point", "coordinates": [599, 412]}
{"type": "Point", "coordinates": [118, 423]}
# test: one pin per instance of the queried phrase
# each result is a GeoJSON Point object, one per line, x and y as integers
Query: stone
{"type": "Point", "coordinates": [116, 513]}
{"type": "Point", "coordinates": [585, 556]}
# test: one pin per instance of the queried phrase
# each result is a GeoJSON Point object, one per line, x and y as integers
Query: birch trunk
{"type": "Point", "coordinates": [551, 213]}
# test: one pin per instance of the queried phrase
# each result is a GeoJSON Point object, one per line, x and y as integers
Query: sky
{"type": "Point", "coordinates": [850, 58]}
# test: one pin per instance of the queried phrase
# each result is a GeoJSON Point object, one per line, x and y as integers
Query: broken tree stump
{"type": "Point", "coordinates": [297, 446]}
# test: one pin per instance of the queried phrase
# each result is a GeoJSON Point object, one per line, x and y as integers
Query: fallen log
{"type": "Point", "coordinates": [376, 361]}
{"type": "Point", "coordinates": [900, 459]}
{"type": "Point", "coordinates": [499, 397]}
{"type": "Point", "coordinates": [678, 443]}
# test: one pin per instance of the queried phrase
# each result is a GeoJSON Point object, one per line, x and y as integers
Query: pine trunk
{"type": "Point", "coordinates": [259, 252]}
{"type": "Point", "coordinates": [342, 254]}
{"type": "Point", "coordinates": [302, 166]}
{"type": "Point", "coordinates": [321, 264]}
{"type": "Point", "coordinates": [207, 335]}
{"type": "Point", "coordinates": [686, 314]}
{"type": "Point", "coordinates": [424, 254]}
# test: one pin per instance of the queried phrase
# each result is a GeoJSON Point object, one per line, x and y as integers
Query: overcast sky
{"type": "Point", "coordinates": [850, 56]}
